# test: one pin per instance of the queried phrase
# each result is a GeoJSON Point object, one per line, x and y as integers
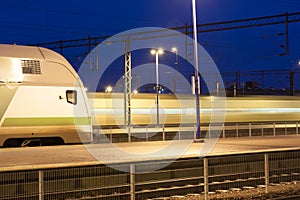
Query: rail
{"type": "Point", "coordinates": [187, 131]}
{"type": "Point", "coordinates": [186, 176]}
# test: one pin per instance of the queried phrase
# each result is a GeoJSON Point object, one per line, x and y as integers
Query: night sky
{"type": "Point", "coordinates": [39, 21]}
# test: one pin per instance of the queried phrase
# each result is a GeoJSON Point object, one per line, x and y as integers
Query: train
{"type": "Point", "coordinates": [175, 109]}
{"type": "Point", "coordinates": [43, 99]}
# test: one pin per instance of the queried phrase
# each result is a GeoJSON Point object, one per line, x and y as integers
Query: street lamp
{"type": "Point", "coordinates": [157, 52]}
{"type": "Point", "coordinates": [197, 90]}
{"type": "Point", "coordinates": [108, 89]}
{"type": "Point", "coordinates": [175, 50]}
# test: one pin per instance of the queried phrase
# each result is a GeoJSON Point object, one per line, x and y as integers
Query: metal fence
{"type": "Point", "coordinates": [163, 133]}
{"type": "Point", "coordinates": [140, 180]}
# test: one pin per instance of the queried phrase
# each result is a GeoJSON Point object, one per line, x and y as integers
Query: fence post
{"type": "Point", "coordinates": [164, 133]}
{"type": "Point", "coordinates": [237, 129]}
{"type": "Point", "coordinates": [285, 128]}
{"type": "Point", "coordinates": [250, 131]}
{"type": "Point", "coordinates": [147, 135]}
{"type": "Point", "coordinates": [41, 185]}
{"type": "Point", "coordinates": [110, 134]}
{"type": "Point", "coordinates": [267, 165]}
{"type": "Point", "coordinates": [205, 173]}
{"type": "Point", "coordinates": [195, 131]}
{"type": "Point", "coordinates": [274, 129]}
{"type": "Point", "coordinates": [129, 133]}
{"type": "Point", "coordinates": [262, 129]}
{"type": "Point", "coordinates": [132, 181]}
{"type": "Point", "coordinates": [224, 133]}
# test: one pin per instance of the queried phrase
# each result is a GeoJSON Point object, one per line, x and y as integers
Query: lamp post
{"type": "Point", "coordinates": [197, 90]}
{"type": "Point", "coordinates": [175, 50]}
{"type": "Point", "coordinates": [157, 52]}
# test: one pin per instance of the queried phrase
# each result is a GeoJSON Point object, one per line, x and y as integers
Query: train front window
{"type": "Point", "coordinates": [71, 96]}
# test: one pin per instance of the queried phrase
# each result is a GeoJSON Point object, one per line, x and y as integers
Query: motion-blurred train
{"type": "Point", "coordinates": [109, 110]}
{"type": "Point", "coordinates": [42, 99]}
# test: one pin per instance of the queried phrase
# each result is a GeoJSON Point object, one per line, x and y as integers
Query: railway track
{"type": "Point", "coordinates": [293, 197]}
{"type": "Point", "coordinates": [248, 193]}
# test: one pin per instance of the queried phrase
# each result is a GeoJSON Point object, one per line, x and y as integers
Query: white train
{"type": "Point", "coordinates": [41, 99]}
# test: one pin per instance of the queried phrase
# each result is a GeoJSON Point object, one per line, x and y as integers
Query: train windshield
{"type": "Point", "coordinates": [71, 96]}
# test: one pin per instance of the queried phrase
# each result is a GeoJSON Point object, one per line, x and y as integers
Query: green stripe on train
{"type": "Point", "coordinates": [52, 121]}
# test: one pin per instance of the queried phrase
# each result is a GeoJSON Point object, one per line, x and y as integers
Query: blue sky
{"type": "Point", "coordinates": [38, 21]}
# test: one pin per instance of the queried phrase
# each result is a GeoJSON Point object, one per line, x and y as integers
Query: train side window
{"type": "Point", "coordinates": [71, 96]}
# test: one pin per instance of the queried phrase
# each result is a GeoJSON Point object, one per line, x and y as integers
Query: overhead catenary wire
{"type": "Point", "coordinates": [201, 28]}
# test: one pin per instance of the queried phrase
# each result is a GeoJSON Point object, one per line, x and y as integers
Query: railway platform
{"type": "Point", "coordinates": [29, 158]}
{"type": "Point", "coordinates": [148, 170]}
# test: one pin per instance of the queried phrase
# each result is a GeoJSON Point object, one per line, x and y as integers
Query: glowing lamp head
{"type": "Point", "coordinates": [160, 51]}
{"type": "Point", "coordinates": [109, 89]}
{"type": "Point", "coordinates": [174, 50]}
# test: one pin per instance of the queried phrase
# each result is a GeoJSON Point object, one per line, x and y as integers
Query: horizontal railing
{"type": "Point", "coordinates": [187, 131]}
